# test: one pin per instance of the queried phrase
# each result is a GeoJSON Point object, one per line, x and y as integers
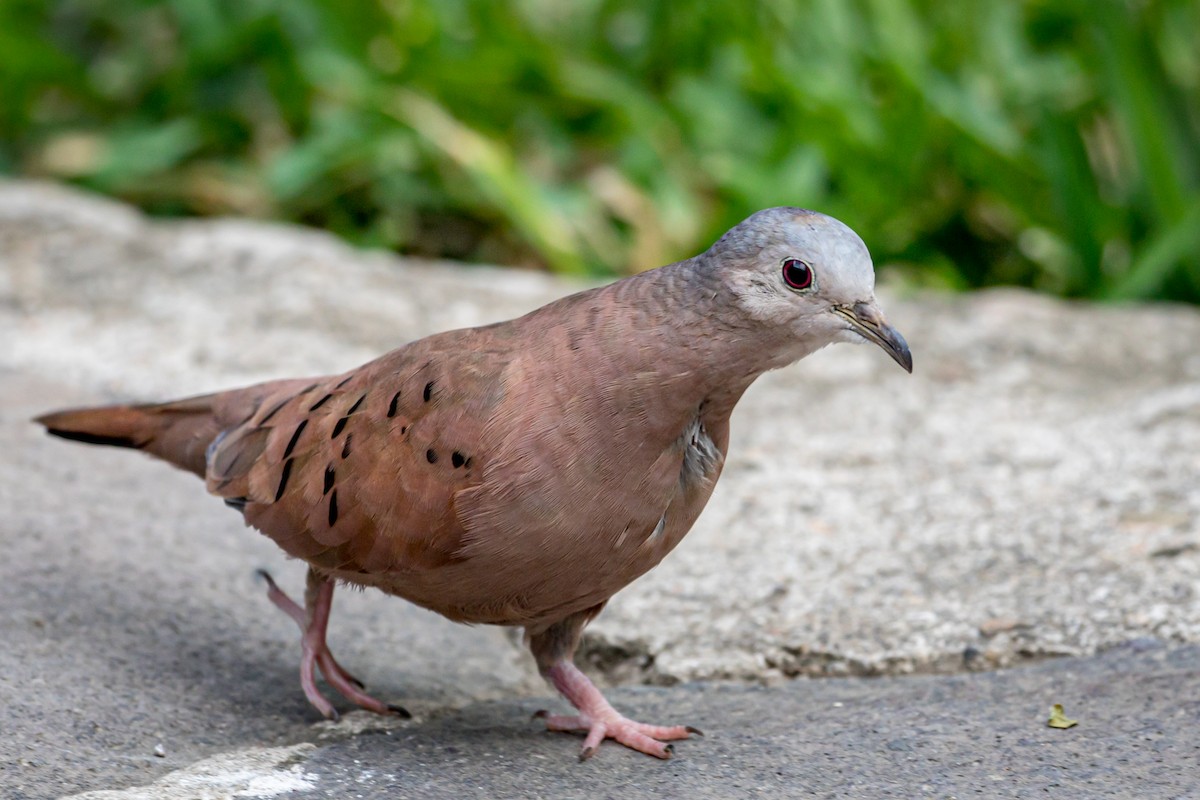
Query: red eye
{"type": "Point", "coordinates": [797, 274]}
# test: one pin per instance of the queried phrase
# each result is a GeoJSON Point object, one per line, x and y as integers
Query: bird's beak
{"type": "Point", "coordinates": [868, 321]}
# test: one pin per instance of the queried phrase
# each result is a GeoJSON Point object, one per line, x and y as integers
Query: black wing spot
{"type": "Point", "coordinates": [456, 458]}
{"type": "Point", "coordinates": [346, 446]}
{"type": "Point", "coordinates": [333, 514]}
{"type": "Point", "coordinates": [339, 427]}
{"type": "Point", "coordinates": [344, 381]}
{"type": "Point", "coordinates": [431, 456]}
{"type": "Point", "coordinates": [295, 438]}
{"type": "Point", "coordinates": [357, 403]}
{"type": "Point", "coordinates": [403, 429]}
{"type": "Point", "coordinates": [428, 391]}
{"type": "Point", "coordinates": [392, 405]}
{"type": "Point", "coordinates": [320, 402]}
{"type": "Point", "coordinates": [329, 478]}
{"type": "Point", "coordinates": [283, 479]}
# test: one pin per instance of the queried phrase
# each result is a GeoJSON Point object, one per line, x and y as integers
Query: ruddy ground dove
{"type": "Point", "coordinates": [524, 472]}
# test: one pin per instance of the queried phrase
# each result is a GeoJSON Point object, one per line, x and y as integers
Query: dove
{"type": "Point", "coordinates": [519, 473]}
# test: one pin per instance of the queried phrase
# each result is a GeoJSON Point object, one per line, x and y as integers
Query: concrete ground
{"type": "Point", "coordinates": [1031, 491]}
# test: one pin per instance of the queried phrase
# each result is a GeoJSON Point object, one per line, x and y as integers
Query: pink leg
{"type": "Point", "coordinates": [553, 648]}
{"type": "Point", "coordinates": [318, 598]}
{"type": "Point", "coordinates": [599, 720]}
{"type": "Point", "coordinates": [293, 610]}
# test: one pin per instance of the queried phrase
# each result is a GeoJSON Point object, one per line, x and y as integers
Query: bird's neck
{"type": "Point", "coordinates": [685, 321]}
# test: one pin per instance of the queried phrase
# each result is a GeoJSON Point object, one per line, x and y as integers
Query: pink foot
{"type": "Point", "coordinates": [600, 721]}
{"type": "Point", "coordinates": [316, 651]}
{"type": "Point", "coordinates": [648, 739]}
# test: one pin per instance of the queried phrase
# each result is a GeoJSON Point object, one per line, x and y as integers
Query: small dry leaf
{"type": "Point", "coordinates": [1058, 719]}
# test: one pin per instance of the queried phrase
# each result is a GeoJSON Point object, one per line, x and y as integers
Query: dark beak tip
{"type": "Point", "coordinates": [896, 347]}
{"type": "Point", "coordinates": [867, 320]}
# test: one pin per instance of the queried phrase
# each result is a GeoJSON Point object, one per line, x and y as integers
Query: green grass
{"type": "Point", "coordinates": [1047, 144]}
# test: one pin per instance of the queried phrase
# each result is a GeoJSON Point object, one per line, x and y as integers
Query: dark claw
{"type": "Point", "coordinates": [586, 753]}
{"type": "Point", "coordinates": [541, 713]}
{"type": "Point", "coordinates": [399, 711]}
{"type": "Point", "coordinates": [696, 731]}
{"type": "Point", "coordinates": [669, 750]}
{"type": "Point", "coordinates": [266, 576]}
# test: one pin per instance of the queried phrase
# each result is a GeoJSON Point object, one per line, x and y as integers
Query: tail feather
{"type": "Point", "coordinates": [178, 432]}
{"type": "Point", "coordinates": [80, 426]}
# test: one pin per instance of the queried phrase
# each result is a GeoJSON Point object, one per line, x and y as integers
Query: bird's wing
{"type": "Point", "coordinates": [357, 473]}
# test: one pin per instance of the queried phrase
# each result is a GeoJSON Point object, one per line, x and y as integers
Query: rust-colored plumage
{"type": "Point", "coordinates": [524, 472]}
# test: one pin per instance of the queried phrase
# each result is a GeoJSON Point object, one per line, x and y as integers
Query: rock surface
{"type": "Point", "coordinates": [1030, 491]}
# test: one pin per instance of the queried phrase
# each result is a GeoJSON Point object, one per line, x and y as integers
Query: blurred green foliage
{"type": "Point", "coordinates": [1046, 143]}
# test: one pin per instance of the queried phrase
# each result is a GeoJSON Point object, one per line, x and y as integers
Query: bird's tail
{"type": "Point", "coordinates": [178, 432]}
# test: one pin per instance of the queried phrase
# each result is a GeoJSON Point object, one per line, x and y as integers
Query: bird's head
{"type": "Point", "coordinates": [807, 276]}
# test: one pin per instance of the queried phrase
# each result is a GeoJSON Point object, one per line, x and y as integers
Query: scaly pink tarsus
{"type": "Point", "coordinates": [293, 610]}
{"type": "Point", "coordinates": [315, 650]}
{"type": "Point", "coordinates": [599, 720]}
